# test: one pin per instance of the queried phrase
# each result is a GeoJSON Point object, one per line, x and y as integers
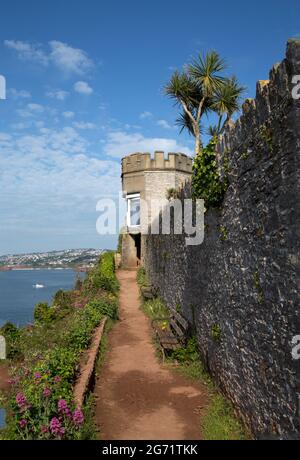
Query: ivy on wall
{"type": "Point", "coordinates": [206, 181]}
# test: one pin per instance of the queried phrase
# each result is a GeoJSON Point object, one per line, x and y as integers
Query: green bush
{"type": "Point", "coordinates": [102, 276]}
{"type": "Point", "coordinates": [206, 181]}
{"type": "Point", "coordinates": [189, 354]}
{"type": "Point", "coordinates": [43, 313]}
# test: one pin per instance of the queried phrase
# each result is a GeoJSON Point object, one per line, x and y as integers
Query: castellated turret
{"type": "Point", "coordinates": [146, 178]}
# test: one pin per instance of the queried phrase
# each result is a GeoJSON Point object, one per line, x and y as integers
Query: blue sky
{"type": "Point", "coordinates": [84, 88]}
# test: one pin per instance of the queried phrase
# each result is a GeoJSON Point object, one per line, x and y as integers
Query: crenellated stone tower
{"type": "Point", "coordinates": [145, 178]}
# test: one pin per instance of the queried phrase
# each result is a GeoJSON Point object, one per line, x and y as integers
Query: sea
{"type": "Point", "coordinates": [19, 292]}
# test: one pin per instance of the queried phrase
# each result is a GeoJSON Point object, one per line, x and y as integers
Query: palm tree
{"type": "Point", "coordinates": [201, 88]}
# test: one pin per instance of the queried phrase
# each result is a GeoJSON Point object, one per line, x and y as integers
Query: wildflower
{"type": "Point", "coordinates": [47, 392]}
{"type": "Point", "coordinates": [57, 379]}
{"type": "Point", "coordinates": [23, 423]}
{"type": "Point", "coordinates": [62, 432]}
{"type": "Point", "coordinates": [55, 426]}
{"type": "Point", "coordinates": [12, 381]}
{"type": "Point", "coordinates": [62, 406]}
{"type": "Point", "coordinates": [44, 429]}
{"type": "Point", "coordinates": [78, 417]}
{"type": "Point", "coordinates": [37, 375]}
{"type": "Point", "coordinates": [21, 400]}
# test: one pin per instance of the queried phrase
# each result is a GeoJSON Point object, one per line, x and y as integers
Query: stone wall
{"type": "Point", "coordinates": [243, 281]}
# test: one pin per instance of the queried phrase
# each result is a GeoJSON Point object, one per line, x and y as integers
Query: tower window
{"type": "Point", "coordinates": [133, 210]}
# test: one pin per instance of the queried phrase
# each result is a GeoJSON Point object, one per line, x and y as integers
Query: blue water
{"type": "Point", "coordinates": [18, 296]}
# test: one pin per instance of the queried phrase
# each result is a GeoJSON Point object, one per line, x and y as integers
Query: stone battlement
{"type": "Point", "coordinates": [143, 162]}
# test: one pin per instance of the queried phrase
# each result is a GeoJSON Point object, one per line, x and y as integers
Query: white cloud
{"type": "Point", "coordinates": [63, 56]}
{"type": "Point", "coordinates": [82, 87]}
{"type": "Point", "coordinates": [51, 183]}
{"type": "Point", "coordinates": [19, 94]}
{"type": "Point", "coordinates": [69, 59]}
{"type": "Point", "coordinates": [36, 108]}
{"type": "Point", "coordinates": [145, 115]}
{"type": "Point", "coordinates": [28, 51]}
{"type": "Point", "coordinates": [164, 124]}
{"type": "Point", "coordinates": [84, 125]}
{"type": "Point", "coordinates": [68, 114]}
{"type": "Point", "coordinates": [58, 94]}
{"type": "Point", "coordinates": [120, 143]}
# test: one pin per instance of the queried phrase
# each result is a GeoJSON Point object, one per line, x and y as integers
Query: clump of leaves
{"type": "Point", "coordinates": [216, 333]}
{"type": "Point", "coordinates": [206, 181]}
{"type": "Point", "coordinates": [188, 354]}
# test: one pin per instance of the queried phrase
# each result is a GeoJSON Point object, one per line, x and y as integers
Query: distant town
{"type": "Point", "coordinates": [80, 259]}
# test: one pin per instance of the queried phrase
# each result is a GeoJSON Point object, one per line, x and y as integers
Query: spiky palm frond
{"type": "Point", "coordinates": [226, 99]}
{"type": "Point", "coordinates": [205, 71]}
{"type": "Point", "coordinates": [184, 122]}
{"type": "Point", "coordinates": [213, 131]}
{"type": "Point", "coordinates": [181, 88]}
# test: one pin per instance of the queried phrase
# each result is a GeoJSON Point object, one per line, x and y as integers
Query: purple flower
{"type": "Point", "coordinates": [63, 407]}
{"type": "Point", "coordinates": [78, 417]}
{"type": "Point", "coordinates": [47, 392]}
{"type": "Point", "coordinates": [21, 400]}
{"type": "Point", "coordinates": [23, 423]}
{"type": "Point", "coordinates": [55, 426]}
{"type": "Point", "coordinates": [37, 375]}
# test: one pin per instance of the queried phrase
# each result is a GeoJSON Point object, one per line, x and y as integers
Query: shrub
{"type": "Point", "coordinates": [102, 276]}
{"type": "Point", "coordinates": [206, 181]}
{"type": "Point", "coordinates": [43, 313]}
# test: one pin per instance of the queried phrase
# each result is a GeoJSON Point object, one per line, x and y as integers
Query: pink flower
{"type": "Point", "coordinates": [44, 429]}
{"type": "Point", "coordinates": [21, 400]}
{"type": "Point", "coordinates": [47, 392]}
{"type": "Point", "coordinates": [78, 417]}
{"type": "Point", "coordinates": [57, 379]}
{"type": "Point", "coordinates": [37, 375]}
{"type": "Point", "coordinates": [23, 423]}
{"type": "Point", "coordinates": [55, 426]}
{"type": "Point", "coordinates": [62, 406]}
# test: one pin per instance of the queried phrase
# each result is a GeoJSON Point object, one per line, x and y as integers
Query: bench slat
{"type": "Point", "coordinates": [182, 321]}
{"type": "Point", "coordinates": [177, 329]}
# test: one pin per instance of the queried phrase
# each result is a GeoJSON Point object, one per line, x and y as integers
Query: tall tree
{"type": "Point", "coordinates": [202, 88]}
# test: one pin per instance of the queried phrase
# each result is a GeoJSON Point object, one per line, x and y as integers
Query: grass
{"type": "Point", "coordinates": [219, 421]}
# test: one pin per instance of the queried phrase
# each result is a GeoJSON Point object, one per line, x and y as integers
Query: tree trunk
{"type": "Point", "coordinates": [197, 140]}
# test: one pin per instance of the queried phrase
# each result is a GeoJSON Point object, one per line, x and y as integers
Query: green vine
{"type": "Point", "coordinates": [207, 183]}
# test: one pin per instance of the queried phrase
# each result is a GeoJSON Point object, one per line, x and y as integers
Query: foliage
{"type": "Point", "coordinates": [102, 276]}
{"type": "Point", "coordinates": [40, 405]}
{"type": "Point", "coordinates": [220, 423]}
{"type": "Point", "coordinates": [142, 277]}
{"type": "Point", "coordinates": [155, 309]}
{"type": "Point", "coordinates": [200, 89]}
{"type": "Point", "coordinates": [188, 354]}
{"type": "Point", "coordinates": [43, 313]}
{"type": "Point", "coordinates": [206, 181]}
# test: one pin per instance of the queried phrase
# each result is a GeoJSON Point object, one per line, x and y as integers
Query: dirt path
{"type": "Point", "coordinates": [137, 397]}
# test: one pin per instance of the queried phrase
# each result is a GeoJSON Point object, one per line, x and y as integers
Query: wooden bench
{"type": "Point", "coordinates": [171, 332]}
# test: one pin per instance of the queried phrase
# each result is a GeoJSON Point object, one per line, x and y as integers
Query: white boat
{"type": "Point", "coordinates": [38, 286]}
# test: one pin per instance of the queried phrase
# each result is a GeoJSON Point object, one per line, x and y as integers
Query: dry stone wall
{"type": "Point", "coordinates": [243, 281]}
